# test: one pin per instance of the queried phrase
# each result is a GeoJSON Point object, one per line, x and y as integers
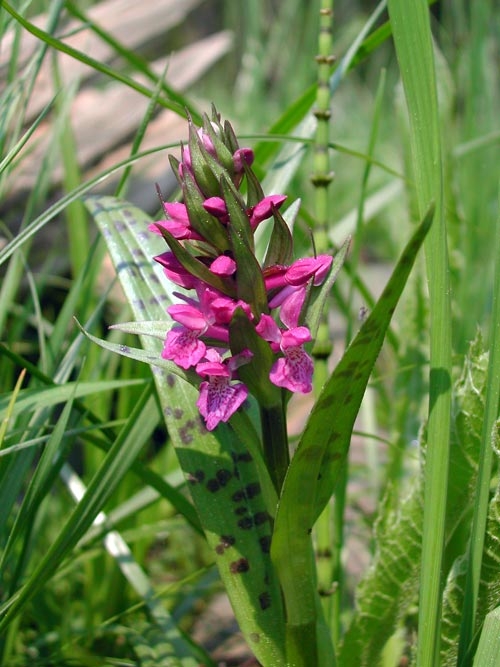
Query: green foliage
{"type": "Point", "coordinates": [388, 594]}
{"type": "Point", "coordinates": [106, 549]}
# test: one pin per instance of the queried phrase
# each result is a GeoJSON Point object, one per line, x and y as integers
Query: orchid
{"type": "Point", "coordinates": [211, 252]}
{"type": "Point", "coordinates": [219, 397]}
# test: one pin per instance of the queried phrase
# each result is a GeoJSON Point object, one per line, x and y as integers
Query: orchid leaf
{"type": "Point", "coordinates": [138, 354]}
{"type": "Point", "coordinates": [222, 474]}
{"type": "Point", "coordinates": [323, 448]}
{"type": "Point", "coordinates": [195, 267]}
{"type": "Point", "coordinates": [280, 248]}
{"type": "Point", "coordinates": [255, 193]}
{"type": "Point", "coordinates": [200, 219]}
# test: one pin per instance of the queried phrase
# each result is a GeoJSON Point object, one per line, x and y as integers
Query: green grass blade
{"type": "Point", "coordinates": [45, 473]}
{"type": "Point", "coordinates": [479, 519]}
{"type": "Point", "coordinates": [8, 414]}
{"type": "Point", "coordinates": [14, 151]}
{"type": "Point", "coordinates": [173, 104]}
{"type": "Point", "coordinates": [488, 651]}
{"type": "Point", "coordinates": [116, 464]}
{"type": "Point", "coordinates": [31, 399]}
{"type": "Point", "coordinates": [174, 646]}
{"type": "Point", "coordinates": [322, 449]}
{"type": "Point", "coordinates": [414, 49]}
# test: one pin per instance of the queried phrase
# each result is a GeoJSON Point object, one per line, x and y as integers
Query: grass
{"type": "Point", "coordinates": [102, 554]}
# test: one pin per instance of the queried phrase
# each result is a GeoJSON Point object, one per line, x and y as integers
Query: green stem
{"type": "Point", "coordinates": [275, 439]}
{"type": "Point", "coordinates": [322, 176]}
{"type": "Point", "coordinates": [327, 547]}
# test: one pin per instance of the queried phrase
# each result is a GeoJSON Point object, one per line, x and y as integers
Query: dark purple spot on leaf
{"type": "Point", "coordinates": [185, 432]}
{"type": "Point", "coordinates": [265, 600]}
{"type": "Point", "coordinates": [120, 226]}
{"type": "Point", "coordinates": [178, 412]}
{"type": "Point", "coordinates": [139, 304]}
{"type": "Point", "coordinates": [246, 523]}
{"type": "Point", "coordinates": [252, 490]}
{"type": "Point", "coordinates": [196, 477]}
{"type": "Point", "coordinates": [213, 485]}
{"type": "Point", "coordinates": [170, 380]}
{"type": "Point", "coordinates": [239, 566]}
{"type": "Point", "coordinates": [226, 541]}
{"type": "Point", "coordinates": [238, 496]}
{"type": "Point", "coordinates": [260, 518]}
{"type": "Point", "coordinates": [265, 543]}
{"type": "Point", "coordinates": [223, 476]}
{"type": "Point", "coordinates": [239, 511]}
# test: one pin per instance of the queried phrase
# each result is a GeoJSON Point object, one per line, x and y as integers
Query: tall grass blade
{"type": "Point", "coordinates": [414, 49]}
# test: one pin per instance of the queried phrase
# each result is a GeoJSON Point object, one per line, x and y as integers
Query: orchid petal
{"type": "Point", "coordinates": [294, 371]}
{"type": "Point", "coordinates": [183, 347]}
{"type": "Point", "coordinates": [306, 267]}
{"type": "Point", "coordinates": [219, 400]}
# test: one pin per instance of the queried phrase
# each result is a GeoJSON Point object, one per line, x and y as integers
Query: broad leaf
{"type": "Point", "coordinates": [323, 447]}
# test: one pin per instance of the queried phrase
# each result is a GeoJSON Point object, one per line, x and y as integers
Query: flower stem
{"type": "Point", "coordinates": [275, 440]}
{"type": "Point", "coordinates": [329, 527]}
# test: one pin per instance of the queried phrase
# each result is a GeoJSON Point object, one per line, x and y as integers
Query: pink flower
{"type": "Point", "coordinates": [202, 318]}
{"type": "Point", "coordinates": [241, 157]}
{"type": "Point", "coordinates": [291, 306]}
{"type": "Point", "coordinates": [223, 266]}
{"type": "Point", "coordinates": [294, 370]}
{"type": "Point", "coordinates": [219, 398]}
{"type": "Point", "coordinates": [293, 281]}
{"type": "Point", "coordinates": [183, 347]}
{"type": "Point", "coordinates": [216, 206]}
{"type": "Point", "coordinates": [305, 268]}
{"type": "Point", "coordinates": [177, 222]}
{"type": "Point", "coordinates": [175, 271]}
{"type": "Point", "coordinates": [186, 153]}
{"type": "Point", "coordinates": [264, 209]}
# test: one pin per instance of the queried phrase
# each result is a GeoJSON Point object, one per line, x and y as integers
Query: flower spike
{"type": "Point", "coordinates": [241, 324]}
